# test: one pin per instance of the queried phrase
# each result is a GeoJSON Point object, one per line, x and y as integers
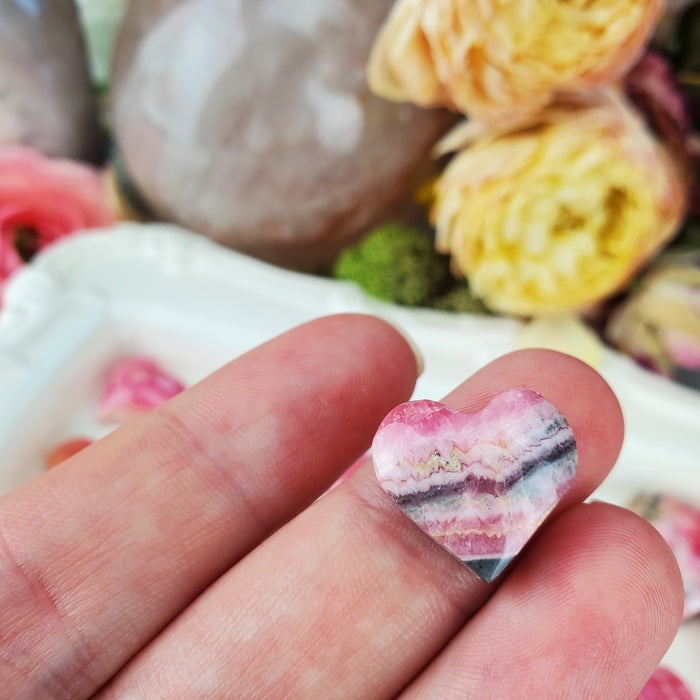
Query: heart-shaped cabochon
{"type": "Point", "coordinates": [479, 484]}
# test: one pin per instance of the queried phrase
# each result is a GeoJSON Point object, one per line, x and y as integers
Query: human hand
{"type": "Point", "coordinates": [186, 555]}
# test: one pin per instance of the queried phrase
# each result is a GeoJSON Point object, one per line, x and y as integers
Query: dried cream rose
{"type": "Point", "coordinates": [561, 214]}
{"type": "Point", "coordinates": [659, 322]}
{"type": "Point", "coordinates": [501, 61]}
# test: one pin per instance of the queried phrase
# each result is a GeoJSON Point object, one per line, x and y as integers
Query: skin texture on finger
{"type": "Point", "coordinates": [351, 599]}
{"type": "Point", "coordinates": [588, 613]}
{"type": "Point", "coordinates": [99, 554]}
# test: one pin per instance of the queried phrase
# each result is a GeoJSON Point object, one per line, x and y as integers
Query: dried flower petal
{"type": "Point", "coordinates": [564, 332]}
{"type": "Point", "coordinates": [652, 86]}
{"type": "Point", "coordinates": [502, 62]}
{"type": "Point", "coordinates": [559, 215]}
{"type": "Point", "coordinates": [659, 322]}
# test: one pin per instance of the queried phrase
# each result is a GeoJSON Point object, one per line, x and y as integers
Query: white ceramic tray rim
{"type": "Point", "coordinates": [173, 294]}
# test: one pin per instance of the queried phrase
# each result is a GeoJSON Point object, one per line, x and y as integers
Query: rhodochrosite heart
{"type": "Point", "coordinates": [481, 484]}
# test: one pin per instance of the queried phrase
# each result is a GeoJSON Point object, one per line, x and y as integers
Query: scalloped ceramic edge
{"type": "Point", "coordinates": [84, 284]}
{"type": "Point", "coordinates": [196, 305]}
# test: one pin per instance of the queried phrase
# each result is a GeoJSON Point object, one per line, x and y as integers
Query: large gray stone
{"type": "Point", "coordinates": [46, 99]}
{"type": "Point", "coordinates": [251, 121]}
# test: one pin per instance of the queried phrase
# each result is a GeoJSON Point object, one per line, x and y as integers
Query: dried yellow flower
{"type": "Point", "coordinates": [561, 214]}
{"type": "Point", "coordinates": [501, 61]}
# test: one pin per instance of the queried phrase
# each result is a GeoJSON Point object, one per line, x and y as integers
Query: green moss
{"type": "Point", "coordinates": [396, 263]}
{"type": "Point", "coordinates": [460, 298]}
{"type": "Point", "coordinates": [399, 264]}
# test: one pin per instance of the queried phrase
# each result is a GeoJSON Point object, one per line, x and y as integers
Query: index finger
{"type": "Point", "coordinates": [97, 555]}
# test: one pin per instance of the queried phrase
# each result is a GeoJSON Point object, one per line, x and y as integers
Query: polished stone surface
{"type": "Point", "coordinates": [481, 484]}
{"type": "Point", "coordinates": [679, 524]}
{"type": "Point", "coordinates": [251, 121]}
{"type": "Point", "coordinates": [664, 684]}
{"type": "Point", "coordinates": [46, 98]}
{"type": "Point", "coordinates": [134, 385]}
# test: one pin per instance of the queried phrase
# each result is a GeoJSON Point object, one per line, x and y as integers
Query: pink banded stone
{"type": "Point", "coordinates": [134, 385]}
{"type": "Point", "coordinates": [665, 685]}
{"type": "Point", "coordinates": [481, 484]}
{"type": "Point", "coordinates": [679, 524]}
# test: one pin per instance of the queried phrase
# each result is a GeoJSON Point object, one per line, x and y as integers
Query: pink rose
{"type": "Point", "coordinates": [652, 87]}
{"type": "Point", "coordinates": [41, 201]}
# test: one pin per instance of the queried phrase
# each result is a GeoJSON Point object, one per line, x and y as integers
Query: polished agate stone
{"type": "Point", "coordinates": [679, 524]}
{"type": "Point", "coordinates": [134, 385]}
{"type": "Point", "coordinates": [46, 98]}
{"type": "Point", "coordinates": [664, 684]}
{"type": "Point", "coordinates": [65, 450]}
{"type": "Point", "coordinates": [481, 484]}
{"type": "Point", "coordinates": [250, 121]}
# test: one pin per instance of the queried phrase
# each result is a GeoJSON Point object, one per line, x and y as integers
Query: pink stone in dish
{"type": "Point", "coordinates": [481, 484]}
{"type": "Point", "coordinates": [679, 524]}
{"type": "Point", "coordinates": [42, 201]}
{"type": "Point", "coordinates": [65, 450]}
{"type": "Point", "coordinates": [665, 685]}
{"type": "Point", "coordinates": [134, 385]}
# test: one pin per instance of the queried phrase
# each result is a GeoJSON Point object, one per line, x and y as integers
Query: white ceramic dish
{"type": "Point", "coordinates": [167, 293]}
